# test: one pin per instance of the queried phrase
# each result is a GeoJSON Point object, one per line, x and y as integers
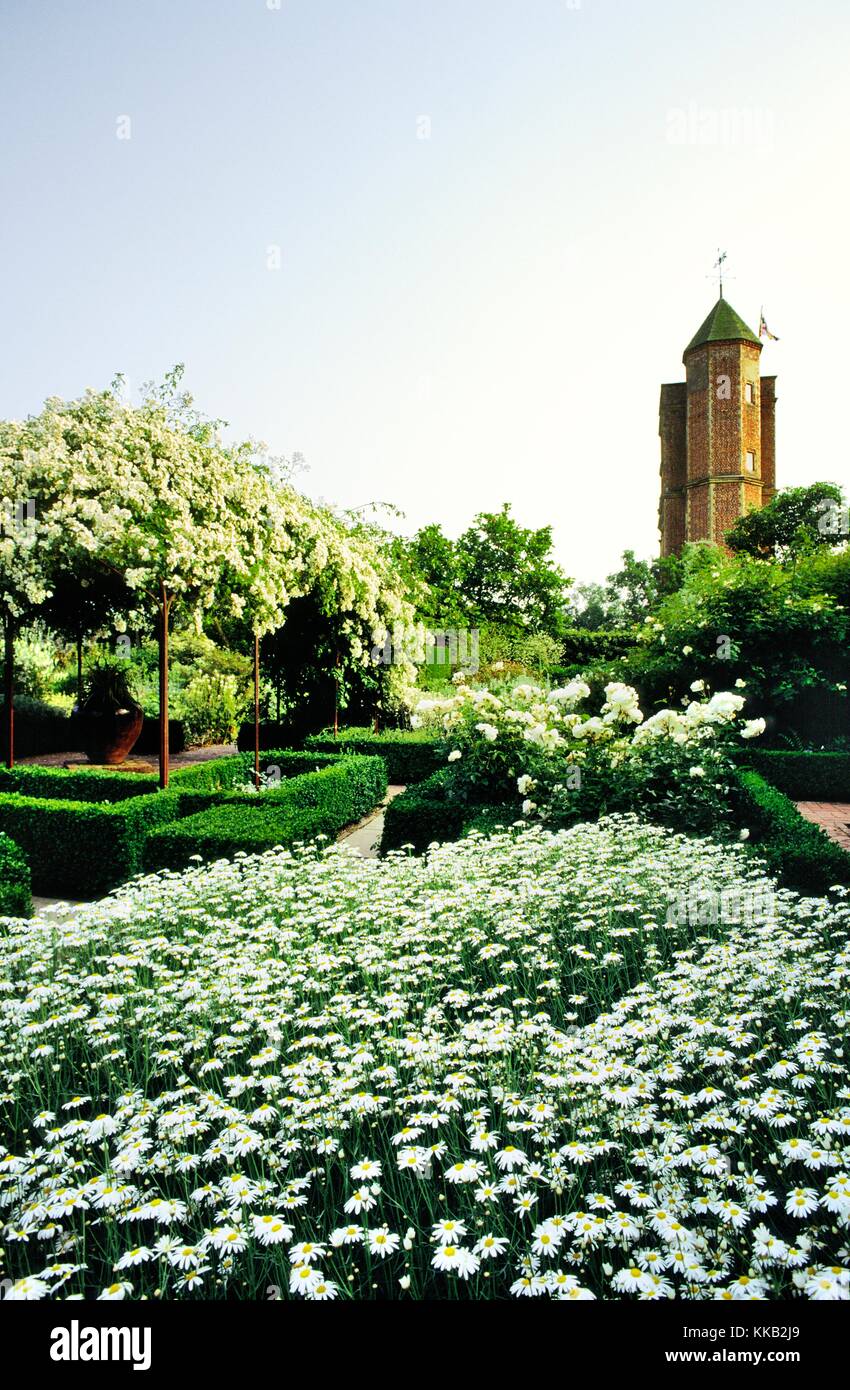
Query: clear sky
{"type": "Point", "coordinates": [494, 222]}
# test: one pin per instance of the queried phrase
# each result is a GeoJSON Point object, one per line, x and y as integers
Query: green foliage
{"type": "Point", "coordinates": [410, 755]}
{"type": "Point", "coordinates": [299, 808]}
{"type": "Point", "coordinates": [804, 776]}
{"type": "Point", "coordinates": [629, 596]}
{"type": "Point", "coordinates": [580, 646]}
{"type": "Point", "coordinates": [223, 774]}
{"type": "Point", "coordinates": [795, 522]}
{"type": "Point", "coordinates": [536, 653]}
{"type": "Point", "coordinates": [687, 788]}
{"type": "Point", "coordinates": [423, 814]}
{"type": "Point", "coordinates": [69, 784]}
{"type": "Point", "coordinates": [739, 618]}
{"type": "Point", "coordinates": [497, 572]}
{"type": "Point", "coordinates": [39, 728]}
{"type": "Point", "coordinates": [209, 709]}
{"type": "Point", "coordinates": [797, 851]}
{"type": "Point", "coordinates": [33, 667]}
{"type": "Point", "coordinates": [15, 886]}
{"type": "Point", "coordinates": [108, 686]}
{"type": "Point", "coordinates": [81, 849]}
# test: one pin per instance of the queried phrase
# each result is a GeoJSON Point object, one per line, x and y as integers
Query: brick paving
{"type": "Point", "coordinates": [831, 816]}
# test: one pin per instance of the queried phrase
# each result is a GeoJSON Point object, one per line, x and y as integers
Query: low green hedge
{"type": "Point", "coordinates": [81, 849]}
{"type": "Point", "coordinates": [410, 755]}
{"type": "Point", "coordinates": [221, 831]}
{"type": "Point", "coordinates": [15, 885]}
{"type": "Point", "coordinates": [423, 814]}
{"type": "Point", "coordinates": [347, 788]}
{"type": "Point", "coordinates": [223, 774]}
{"type": "Point", "coordinates": [583, 645]}
{"type": "Point", "coordinates": [220, 824]}
{"type": "Point", "coordinates": [798, 852]}
{"type": "Point", "coordinates": [76, 784]}
{"type": "Point", "coordinates": [804, 776]}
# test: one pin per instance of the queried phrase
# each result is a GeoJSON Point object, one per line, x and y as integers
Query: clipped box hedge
{"type": "Point", "coordinates": [347, 787]}
{"type": "Point", "coordinates": [15, 882]}
{"type": "Point", "coordinates": [797, 851]}
{"type": "Point", "coordinates": [411, 755]}
{"type": "Point", "coordinates": [223, 774]}
{"type": "Point", "coordinates": [75, 784]}
{"type": "Point", "coordinates": [812, 776]}
{"type": "Point", "coordinates": [81, 849]}
{"type": "Point", "coordinates": [220, 824]}
{"type": "Point", "coordinates": [423, 814]}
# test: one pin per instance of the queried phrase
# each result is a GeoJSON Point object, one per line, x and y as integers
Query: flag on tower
{"type": "Point", "coordinates": [764, 331]}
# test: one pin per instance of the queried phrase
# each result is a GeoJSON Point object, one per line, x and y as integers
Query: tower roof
{"type": "Point", "coordinates": [723, 325]}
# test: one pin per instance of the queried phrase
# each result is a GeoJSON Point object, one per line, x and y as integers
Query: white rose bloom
{"type": "Point", "coordinates": [752, 728]}
{"type": "Point", "coordinates": [454, 755]}
{"type": "Point", "coordinates": [697, 686]}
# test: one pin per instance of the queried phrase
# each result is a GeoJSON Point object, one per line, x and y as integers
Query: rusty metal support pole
{"type": "Point", "coordinates": [163, 688]}
{"type": "Point", "coordinates": [256, 711]}
{"type": "Point", "coordinates": [9, 687]}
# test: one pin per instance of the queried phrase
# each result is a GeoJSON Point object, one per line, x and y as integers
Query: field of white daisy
{"type": "Point", "coordinates": [507, 1069]}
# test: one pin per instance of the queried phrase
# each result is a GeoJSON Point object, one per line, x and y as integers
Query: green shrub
{"type": "Point", "coordinates": [223, 774]}
{"type": "Point", "coordinates": [798, 852]}
{"type": "Point", "coordinates": [81, 849]}
{"type": "Point", "coordinates": [41, 728]}
{"type": "Point", "coordinates": [209, 708]}
{"type": "Point", "coordinates": [806, 776]}
{"type": "Point", "coordinates": [410, 755]}
{"type": "Point", "coordinates": [73, 784]}
{"type": "Point", "coordinates": [219, 824]}
{"type": "Point", "coordinates": [424, 813]}
{"type": "Point", "coordinates": [582, 645]}
{"type": "Point", "coordinates": [15, 887]}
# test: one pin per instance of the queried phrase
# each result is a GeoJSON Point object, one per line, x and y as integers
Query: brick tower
{"type": "Point", "coordinates": [717, 434]}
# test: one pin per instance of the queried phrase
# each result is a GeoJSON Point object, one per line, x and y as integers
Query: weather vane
{"type": "Point", "coordinates": [718, 266]}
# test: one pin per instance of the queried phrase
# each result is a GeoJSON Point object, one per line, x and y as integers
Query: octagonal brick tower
{"type": "Point", "coordinates": [717, 434]}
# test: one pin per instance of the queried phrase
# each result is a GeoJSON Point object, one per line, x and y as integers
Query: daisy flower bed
{"type": "Point", "coordinates": [508, 1069]}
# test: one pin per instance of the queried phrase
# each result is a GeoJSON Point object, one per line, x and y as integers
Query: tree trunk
{"type": "Point", "coordinates": [8, 686]}
{"type": "Point", "coordinates": [163, 688]}
{"type": "Point", "coordinates": [79, 669]}
{"type": "Point", "coordinates": [256, 711]}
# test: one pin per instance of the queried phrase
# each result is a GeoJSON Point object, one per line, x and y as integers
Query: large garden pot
{"type": "Point", "coordinates": [109, 734]}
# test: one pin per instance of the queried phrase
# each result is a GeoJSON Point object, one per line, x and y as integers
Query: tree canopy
{"type": "Point", "coordinates": [795, 522]}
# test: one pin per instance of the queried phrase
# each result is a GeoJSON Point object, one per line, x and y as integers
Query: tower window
{"type": "Point", "coordinates": [749, 393]}
{"type": "Point", "coordinates": [750, 461]}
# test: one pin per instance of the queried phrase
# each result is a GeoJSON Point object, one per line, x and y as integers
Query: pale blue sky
{"type": "Point", "coordinates": [482, 315]}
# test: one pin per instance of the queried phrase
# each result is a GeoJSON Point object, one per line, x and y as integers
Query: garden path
{"type": "Point", "coordinates": [831, 816]}
{"type": "Point", "coordinates": [365, 836]}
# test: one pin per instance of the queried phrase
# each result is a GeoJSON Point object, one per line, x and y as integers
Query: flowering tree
{"type": "Point", "coordinates": [155, 498]}
{"type": "Point", "coordinates": [274, 565]}
{"type": "Point", "coordinates": [337, 641]}
{"type": "Point", "coordinates": [45, 513]}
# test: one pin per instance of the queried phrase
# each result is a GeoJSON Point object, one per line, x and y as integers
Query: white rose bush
{"type": "Point", "coordinates": [540, 752]}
